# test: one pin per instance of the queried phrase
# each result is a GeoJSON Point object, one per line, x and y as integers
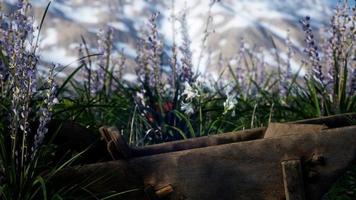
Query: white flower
{"type": "Point", "coordinates": [228, 89]}
{"type": "Point", "coordinates": [55, 100]}
{"type": "Point", "coordinates": [187, 108]}
{"type": "Point", "coordinates": [229, 103]}
{"type": "Point", "coordinates": [141, 97]}
{"type": "Point", "coordinates": [190, 92]}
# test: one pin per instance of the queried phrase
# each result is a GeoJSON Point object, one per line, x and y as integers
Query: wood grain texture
{"type": "Point", "coordinates": [293, 180]}
{"type": "Point", "coordinates": [275, 130]}
{"type": "Point", "coordinates": [242, 170]}
{"type": "Point", "coordinates": [283, 129]}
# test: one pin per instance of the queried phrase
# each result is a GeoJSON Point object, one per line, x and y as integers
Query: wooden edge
{"type": "Point", "coordinates": [200, 142]}
{"type": "Point", "coordinates": [125, 151]}
{"type": "Point", "coordinates": [152, 166]}
{"type": "Point", "coordinates": [238, 136]}
{"type": "Point", "coordinates": [112, 137]}
{"type": "Point", "coordinates": [116, 145]}
{"type": "Point", "coordinates": [293, 180]}
{"type": "Point", "coordinates": [151, 193]}
{"type": "Point", "coordinates": [156, 194]}
{"type": "Point", "coordinates": [332, 121]}
{"type": "Point", "coordinates": [164, 191]}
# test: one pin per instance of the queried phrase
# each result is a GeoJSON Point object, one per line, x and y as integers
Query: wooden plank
{"type": "Point", "coordinates": [211, 140]}
{"type": "Point", "coordinates": [124, 152]}
{"type": "Point", "coordinates": [293, 180]}
{"type": "Point", "coordinates": [242, 170]}
{"type": "Point", "coordinates": [274, 130]}
{"type": "Point", "coordinates": [283, 129]}
{"type": "Point", "coordinates": [73, 136]}
{"type": "Point", "coordinates": [164, 191]}
{"type": "Point", "coordinates": [116, 145]}
{"type": "Point", "coordinates": [151, 193]}
{"type": "Point", "coordinates": [333, 121]}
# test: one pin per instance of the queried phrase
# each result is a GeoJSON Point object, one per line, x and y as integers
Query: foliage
{"type": "Point", "coordinates": [345, 187]}
{"type": "Point", "coordinates": [175, 102]}
{"type": "Point", "coordinates": [27, 163]}
{"type": "Point", "coordinates": [166, 102]}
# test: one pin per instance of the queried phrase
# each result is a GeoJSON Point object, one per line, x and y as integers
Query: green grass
{"type": "Point", "coordinates": [211, 107]}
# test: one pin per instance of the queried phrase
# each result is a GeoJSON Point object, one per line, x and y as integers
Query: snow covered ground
{"type": "Point", "coordinates": [257, 21]}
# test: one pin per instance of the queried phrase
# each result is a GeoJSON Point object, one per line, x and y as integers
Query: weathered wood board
{"type": "Point", "coordinates": [293, 180]}
{"type": "Point", "coordinates": [283, 129]}
{"type": "Point", "coordinates": [75, 137]}
{"type": "Point", "coordinates": [123, 151]}
{"type": "Point", "coordinates": [242, 170]}
{"type": "Point", "coordinates": [333, 121]}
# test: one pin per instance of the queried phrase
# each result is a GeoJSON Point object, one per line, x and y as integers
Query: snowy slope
{"type": "Point", "coordinates": [254, 20]}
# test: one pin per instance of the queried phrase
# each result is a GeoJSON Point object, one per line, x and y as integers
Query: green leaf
{"type": "Point", "coordinates": [41, 181]}
{"type": "Point", "coordinates": [314, 97]}
{"type": "Point", "coordinates": [66, 81]}
{"type": "Point", "coordinates": [120, 193]}
{"type": "Point", "coordinates": [181, 116]}
{"type": "Point", "coordinates": [181, 133]}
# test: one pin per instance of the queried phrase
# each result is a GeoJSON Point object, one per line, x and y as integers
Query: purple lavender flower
{"type": "Point", "coordinates": [99, 74]}
{"type": "Point", "coordinates": [21, 69]}
{"type": "Point", "coordinates": [289, 57]}
{"type": "Point", "coordinates": [284, 83]}
{"type": "Point", "coordinates": [353, 82]}
{"type": "Point", "coordinates": [20, 4]}
{"type": "Point", "coordinates": [149, 57]}
{"type": "Point", "coordinates": [2, 69]}
{"type": "Point", "coordinates": [142, 70]}
{"type": "Point", "coordinates": [260, 67]}
{"type": "Point", "coordinates": [18, 77]}
{"type": "Point", "coordinates": [312, 51]}
{"type": "Point", "coordinates": [187, 73]}
{"type": "Point", "coordinates": [45, 112]}
{"type": "Point", "coordinates": [240, 71]}
{"type": "Point", "coordinates": [155, 49]}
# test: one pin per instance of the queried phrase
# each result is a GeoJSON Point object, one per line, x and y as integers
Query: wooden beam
{"type": "Point", "coordinates": [123, 151]}
{"type": "Point", "coordinates": [241, 170]}
{"type": "Point", "coordinates": [153, 194]}
{"type": "Point", "coordinates": [304, 126]}
{"type": "Point", "coordinates": [293, 180]}
{"type": "Point", "coordinates": [333, 121]}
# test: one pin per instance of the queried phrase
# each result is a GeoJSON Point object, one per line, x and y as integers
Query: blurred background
{"type": "Point", "coordinates": [261, 25]}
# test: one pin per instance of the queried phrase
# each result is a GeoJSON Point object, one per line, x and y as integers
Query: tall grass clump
{"type": "Point", "coordinates": [167, 102]}
{"type": "Point", "coordinates": [27, 101]}
{"type": "Point", "coordinates": [331, 81]}
{"type": "Point", "coordinates": [20, 146]}
{"type": "Point", "coordinates": [94, 93]}
{"type": "Point", "coordinates": [171, 100]}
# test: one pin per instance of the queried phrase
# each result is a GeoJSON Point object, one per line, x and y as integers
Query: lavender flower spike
{"type": "Point", "coordinates": [187, 73]}
{"type": "Point", "coordinates": [353, 82]}
{"type": "Point", "coordinates": [45, 112]}
{"type": "Point", "coordinates": [312, 51]}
